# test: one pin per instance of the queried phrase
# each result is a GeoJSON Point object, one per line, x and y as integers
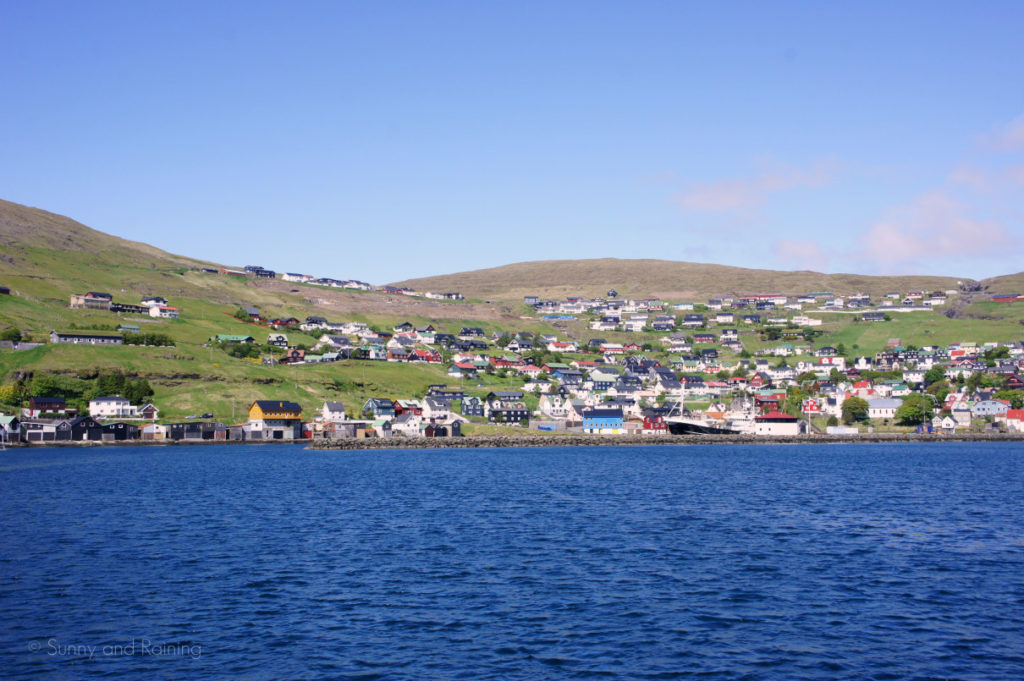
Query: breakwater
{"type": "Point", "coordinates": [579, 440]}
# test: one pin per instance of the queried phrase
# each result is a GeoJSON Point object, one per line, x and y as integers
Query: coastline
{"type": "Point", "coordinates": [498, 441]}
{"type": "Point", "coordinates": [529, 440]}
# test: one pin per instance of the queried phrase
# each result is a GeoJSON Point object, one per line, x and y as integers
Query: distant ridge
{"type": "Point", "coordinates": [658, 278]}
{"type": "Point", "coordinates": [23, 227]}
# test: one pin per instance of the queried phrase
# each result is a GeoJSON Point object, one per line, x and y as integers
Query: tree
{"type": "Point", "coordinates": [836, 376]}
{"type": "Point", "coordinates": [934, 375]}
{"type": "Point", "coordinates": [916, 409]}
{"type": "Point", "coordinates": [854, 409]}
{"type": "Point", "coordinates": [1014, 397]}
{"type": "Point", "coordinates": [241, 315]}
{"type": "Point", "coordinates": [832, 421]}
{"type": "Point", "coordinates": [13, 335]}
{"type": "Point", "coordinates": [503, 340]}
{"type": "Point", "coordinates": [138, 391]}
{"type": "Point", "coordinates": [939, 389]}
{"type": "Point", "coordinates": [807, 377]}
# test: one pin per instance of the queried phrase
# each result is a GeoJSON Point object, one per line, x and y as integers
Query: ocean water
{"type": "Point", "coordinates": [718, 562]}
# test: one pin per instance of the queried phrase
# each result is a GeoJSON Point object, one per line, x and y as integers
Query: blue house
{"type": "Point", "coordinates": [380, 407]}
{"type": "Point", "coordinates": [602, 421]}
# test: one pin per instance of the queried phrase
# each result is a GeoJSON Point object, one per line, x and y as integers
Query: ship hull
{"type": "Point", "coordinates": [680, 428]}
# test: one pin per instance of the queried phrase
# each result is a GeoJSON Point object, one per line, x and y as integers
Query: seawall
{"type": "Point", "coordinates": [526, 440]}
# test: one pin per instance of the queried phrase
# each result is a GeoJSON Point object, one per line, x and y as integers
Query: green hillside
{"type": "Point", "coordinates": [45, 258]}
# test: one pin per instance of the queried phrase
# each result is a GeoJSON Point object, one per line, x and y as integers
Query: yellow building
{"type": "Point", "coordinates": [267, 410]}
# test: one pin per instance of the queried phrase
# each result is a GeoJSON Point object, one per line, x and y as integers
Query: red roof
{"type": "Point", "coordinates": [775, 416]}
{"type": "Point", "coordinates": [1015, 414]}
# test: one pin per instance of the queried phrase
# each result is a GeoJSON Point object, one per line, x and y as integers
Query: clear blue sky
{"type": "Point", "coordinates": [386, 140]}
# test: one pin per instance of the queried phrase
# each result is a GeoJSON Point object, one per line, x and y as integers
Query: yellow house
{"type": "Point", "coordinates": [271, 410]}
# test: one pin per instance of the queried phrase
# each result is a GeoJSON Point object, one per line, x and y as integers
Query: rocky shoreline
{"type": "Point", "coordinates": [496, 441]}
{"type": "Point", "coordinates": [566, 440]}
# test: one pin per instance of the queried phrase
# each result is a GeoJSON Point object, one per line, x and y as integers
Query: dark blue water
{"type": "Point", "coordinates": [272, 563]}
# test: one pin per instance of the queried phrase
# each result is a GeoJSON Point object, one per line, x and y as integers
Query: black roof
{"type": "Point", "coordinates": [267, 405]}
{"type": "Point", "coordinates": [597, 413]}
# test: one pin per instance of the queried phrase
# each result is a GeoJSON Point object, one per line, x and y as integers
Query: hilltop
{"type": "Point", "coordinates": [664, 279]}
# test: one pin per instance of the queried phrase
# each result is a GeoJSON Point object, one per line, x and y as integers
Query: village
{"type": "Point", "coordinates": [735, 364]}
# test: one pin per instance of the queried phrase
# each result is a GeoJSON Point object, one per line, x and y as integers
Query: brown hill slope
{"type": "Point", "coordinates": [660, 278]}
{"type": "Point", "coordinates": [23, 228]}
{"type": "Point", "coordinates": [1007, 283]}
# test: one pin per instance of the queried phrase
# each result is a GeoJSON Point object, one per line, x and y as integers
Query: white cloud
{"type": "Point", "coordinates": [932, 226]}
{"type": "Point", "coordinates": [750, 192]}
{"type": "Point", "coordinates": [1009, 137]}
{"type": "Point", "coordinates": [970, 176]}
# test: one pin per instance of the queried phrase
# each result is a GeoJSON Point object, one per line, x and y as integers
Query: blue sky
{"type": "Point", "coordinates": [388, 140]}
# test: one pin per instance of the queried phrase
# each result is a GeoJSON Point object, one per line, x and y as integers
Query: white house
{"type": "Point", "coordinates": [776, 423]}
{"type": "Point", "coordinates": [883, 408]}
{"type": "Point", "coordinates": [111, 407]}
{"type": "Point", "coordinates": [333, 412]}
{"type": "Point", "coordinates": [163, 312]}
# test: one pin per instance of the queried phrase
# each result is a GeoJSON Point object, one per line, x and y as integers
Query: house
{"type": "Point", "coordinates": [1014, 420]}
{"type": "Point", "coordinates": [229, 338]}
{"type": "Point", "coordinates": [994, 408]}
{"type": "Point", "coordinates": [559, 346]}
{"type": "Point", "coordinates": [462, 370]}
{"type": "Point", "coordinates": [278, 340]}
{"type": "Point", "coordinates": [380, 407]}
{"type": "Point", "coordinates": [471, 406]}
{"type": "Point", "coordinates": [599, 421]}
{"type": "Point", "coordinates": [883, 408]}
{"type": "Point", "coordinates": [407, 424]}
{"type": "Point", "coordinates": [294, 356]}
{"type": "Point", "coordinates": [776, 423]}
{"type": "Point", "coordinates": [504, 408]}
{"type": "Point", "coordinates": [10, 428]}
{"type": "Point", "coordinates": [92, 301]}
{"type": "Point", "coordinates": [655, 425]}
{"type": "Point", "coordinates": [37, 406]}
{"type": "Point", "coordinates": [111, 407]}
{"type": "Point", "coordinates": [85, 339]}
{"type": "Point", "coordinates": [85, 428]}
{"type": "Point", "coordinates": [873, 316]}
{"type": "Point", "coordinates": [313, 323]}
{"type": "Point", "coordinates": [153, 301]}
{"type": "Point", "coordinates": [693, 320]}
{"type": "Point", "coordinates": [163, 312]}
{"type": "Point", "coordinates": [119, 432]}
{"type": "Point", "coordinates": [275, 420]}
{"type": "Point", "coordinates": [332, 412]}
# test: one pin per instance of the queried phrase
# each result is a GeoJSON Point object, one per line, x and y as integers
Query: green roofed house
{"type": "Point", "coordinates": [231, 338]}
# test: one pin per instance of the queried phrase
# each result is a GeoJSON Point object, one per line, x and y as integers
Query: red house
{"type": "Point", "coordinates": [655, 425]}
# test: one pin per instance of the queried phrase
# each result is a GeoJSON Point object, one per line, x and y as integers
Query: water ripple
{"type": "Point", "coordinates": [269, 563]}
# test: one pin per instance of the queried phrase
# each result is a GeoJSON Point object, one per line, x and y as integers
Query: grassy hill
{"type": "Point", "coordinates": [658, 278]}
{"type": "Point", "coordinates": [44, 258]}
